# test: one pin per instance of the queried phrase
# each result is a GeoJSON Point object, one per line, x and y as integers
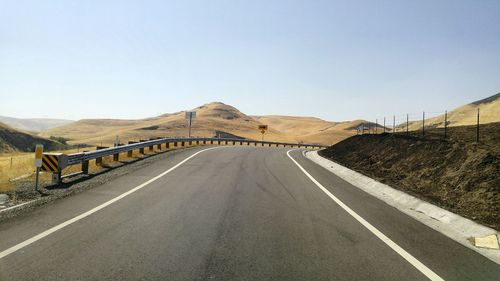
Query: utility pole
{"type": "Point", "coordinates": [384, 124]}
{"type": "Point", "coordinates": [376, 125]}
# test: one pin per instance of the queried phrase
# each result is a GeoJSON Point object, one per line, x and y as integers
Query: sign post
{"type": "Point", "coordinates": [263, 129]}
{"type": "Point", "coordinates": [190, 115]}
{"type": "Point", "coordinates": [38, 162]}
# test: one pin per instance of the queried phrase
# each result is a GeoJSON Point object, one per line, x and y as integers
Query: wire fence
{"type": "Point", "coordinates": [427, 124]}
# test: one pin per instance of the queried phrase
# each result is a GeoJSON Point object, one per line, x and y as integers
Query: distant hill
{"type": "Point", "coordinates": [489, 111]}
{"type": "Point", "coordinates": [211, 117]}
{"type": "Point", "coordinates": [311, 129]}
{"type": "Point", "coordinates": [12, 140]}
{"type": "Point", "coordinates": [33, 124]}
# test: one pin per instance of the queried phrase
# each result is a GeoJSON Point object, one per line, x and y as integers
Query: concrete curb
{"type": "Point", "coordinates": [458, 228]}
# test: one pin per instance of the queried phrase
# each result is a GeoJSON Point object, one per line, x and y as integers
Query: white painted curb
{"type": "Point", "coordinates": [452, 225]}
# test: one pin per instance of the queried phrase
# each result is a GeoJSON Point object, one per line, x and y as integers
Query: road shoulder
{"type": "Point", "coordinates": [459, 229]}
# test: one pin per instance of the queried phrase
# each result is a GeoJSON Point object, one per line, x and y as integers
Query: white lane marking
{"type": "Point", "coordinates": [90, 212]}
{"type": "Point", "coordinates": [16, 206]}
{"type": "Point", "coordinates": [407, 256]}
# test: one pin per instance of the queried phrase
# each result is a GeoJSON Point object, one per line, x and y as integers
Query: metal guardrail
{"type": "Point", "coordinates": [84, 157]}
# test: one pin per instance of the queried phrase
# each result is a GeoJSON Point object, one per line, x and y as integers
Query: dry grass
{"type": "Point", "coordinates": [464, 116]}
{"type": "Point", "coordinates": [210, 117]}
{"type": "Point", "coordinates": [14, 166]}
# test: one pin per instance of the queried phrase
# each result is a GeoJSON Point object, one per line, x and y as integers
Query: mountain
{"type": "Point", "coordinates": [12, 140]}
{"type": "Point", "coordinates": [210, 117]}
{"type": "Point", "coordinates": [489, 112]}
{"type": "Point", "coordinates": [33, 124]}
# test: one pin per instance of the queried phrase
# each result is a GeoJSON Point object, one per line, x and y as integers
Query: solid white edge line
{"type": "Point", "coordinates": [90, 212]}
{"type": "Point", "coordinates": [407, 256]}
{"type": "Point", "coordinates": [15, 206]}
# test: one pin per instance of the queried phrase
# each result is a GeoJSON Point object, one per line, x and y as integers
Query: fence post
{"type": "Point", "coordinates": [407, 132]}
{"type": "Point", "coordinates": [477, 127]}
{"type": "Point", "coordinates": [394, 124]}
{"type": "Point", "coordinates": [423, 124]}
{"type": "Point", "coordinates": [445, 123]}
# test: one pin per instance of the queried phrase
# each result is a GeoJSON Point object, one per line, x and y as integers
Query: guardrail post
{"type": "Point", "coordinates": [211, 142]}
{"type": "Point", "coordinates": [56, 178]}
{"type": "Point", "coordinates": [197, 142]}
{"type": "Point", "coordinates": [218, 142]}
{"type": "Point", "coordinates": [85, 167]}
{"type": "Point", "coordinates": [190, 143]}
{"type": "Point", "coordinates": [226, 142]}
{"type": "Point", "coordinates": [234, 142]}
{"type": "Point", "coordinates": [204, 142]}
{"type": "Point", "coordinates": [167, 145]}
{"type": "Point", "coordinates": [182, 143]}
{"type": "Point", "coordinates": [130, 152]}
{"type": "Point", "coordinates": [141, 150]}
{"type": "Point", "coordinates": [116, 157]}
{"type": "Point", "coordinates": [175, 144]}
{"type": "Point", "coordinates": [98, 160]}
{"type": "Point", "coordinates": [158, 146]}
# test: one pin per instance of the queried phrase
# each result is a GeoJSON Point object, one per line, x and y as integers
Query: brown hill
{"type": "Point", "coordinates": [12, 140]}
{"type": "Point", "coordinates": [311, 129]}
{"type": "Point", "coordinates": [210, 117]}
{"type": "Point", "coordinates": [489, 109]}
{"type": "Point", "coordinates": [33, 124]}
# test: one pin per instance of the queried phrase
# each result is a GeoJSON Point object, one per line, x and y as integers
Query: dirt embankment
{"type": "Point", "coordinates": [457, 174]}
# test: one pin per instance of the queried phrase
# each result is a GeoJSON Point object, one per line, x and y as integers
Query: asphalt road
{"type": "Point", "coordinates": [230, 213]}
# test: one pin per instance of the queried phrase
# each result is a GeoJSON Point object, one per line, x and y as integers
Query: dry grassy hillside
{"type": "Point", "coordinates": [311, 129]}
{"type": "Point", "coordinates": [33, 124]}
{"type": "Point", "coordinates": [210, 117]}
{"type": "Point", "coordinates": [12, 140]}
{"type": "Point", "coordinates": [489, 109]}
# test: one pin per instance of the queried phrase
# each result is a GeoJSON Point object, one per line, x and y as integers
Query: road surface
{"type": "Point", "coordinates": [228, 213]}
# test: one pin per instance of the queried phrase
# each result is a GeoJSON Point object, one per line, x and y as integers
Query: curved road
{"type": "Point", "coordinates": [228, 213]}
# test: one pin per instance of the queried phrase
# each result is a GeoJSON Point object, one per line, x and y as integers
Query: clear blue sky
{"type": "Point", "coordinates": [337, 60]}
